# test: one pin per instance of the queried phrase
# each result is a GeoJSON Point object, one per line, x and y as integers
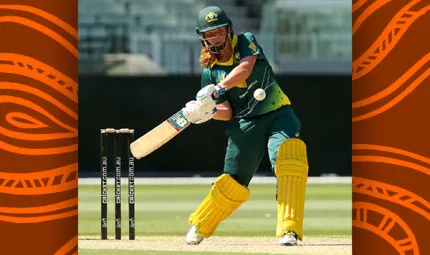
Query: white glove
{"type": "Point", "coordinates": [198, 112]}
{"type": "Point", "coordinates": [208, 91]}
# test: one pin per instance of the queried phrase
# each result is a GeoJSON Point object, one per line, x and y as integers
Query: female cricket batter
{"type": "Point", "coordinates": [235, 66]}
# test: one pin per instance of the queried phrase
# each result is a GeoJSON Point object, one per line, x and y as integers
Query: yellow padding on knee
{"type": "Point", "coordinates": [225, 196]}
{"type": "Point", "coordinates": [291, 169]}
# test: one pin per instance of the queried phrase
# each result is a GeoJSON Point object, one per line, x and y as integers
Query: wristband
{"type": "Point", "coordinates": [220, 88]}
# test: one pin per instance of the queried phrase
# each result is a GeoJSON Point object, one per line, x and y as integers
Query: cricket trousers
{"type": "Point", "coordinates": [249, 138]}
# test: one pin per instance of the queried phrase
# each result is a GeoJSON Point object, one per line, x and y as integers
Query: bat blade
{"type": "Point", "coordinates": [159, 135]}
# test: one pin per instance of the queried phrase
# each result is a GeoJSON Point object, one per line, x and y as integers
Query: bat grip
{"type": "Point", "coordinates": [218, 93]}
{"type": "Point", "coordinates": [215, 95]}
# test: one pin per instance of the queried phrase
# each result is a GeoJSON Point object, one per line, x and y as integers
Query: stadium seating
{"type": "Point", "coordinates": [164, 29]}
{"type": "Point", "coordinates": [315, 30]}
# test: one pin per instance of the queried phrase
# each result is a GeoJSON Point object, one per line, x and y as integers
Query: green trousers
{"type": "Point", "coordinates": [248, 138]}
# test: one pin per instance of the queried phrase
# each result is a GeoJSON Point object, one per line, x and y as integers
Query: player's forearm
{"type": "Point", "coordinates": [237, 75]}
{"type": "Point", "coordinates": [223, 113]}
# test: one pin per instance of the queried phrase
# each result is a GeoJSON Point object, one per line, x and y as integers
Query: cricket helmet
{"type": "Point", "coordinates": [211, 18]}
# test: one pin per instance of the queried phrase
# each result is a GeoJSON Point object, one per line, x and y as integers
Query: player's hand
{"type": "Point", "coordinates": [197, 112]}
{"type": "Point", "coordinates": [210, 91]}
{"type": "Point", "coordinates": [205, 95]}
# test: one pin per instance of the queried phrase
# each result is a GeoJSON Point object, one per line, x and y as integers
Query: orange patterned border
{"type": "Point", "coordinates": [38, 127]}
{"type": "Point", "coordinates": [389, 220]}
{"type": "Point", "coordinates": [391, 159]}
{"type": "Point", "coordinates": [387, 40]}
{"type": "Point", "coordinates": [46, 182]}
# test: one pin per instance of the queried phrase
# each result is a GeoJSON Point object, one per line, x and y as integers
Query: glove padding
{"type": "Point", "coordinates": [206, 92]}
{"type": "Point", "coordinates": [210, 90]}
{"type": "Point", "coordinates": [198, 112]}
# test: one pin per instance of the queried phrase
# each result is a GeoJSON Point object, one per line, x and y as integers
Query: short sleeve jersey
{"type": "Point", "coordinates": [241, 97]}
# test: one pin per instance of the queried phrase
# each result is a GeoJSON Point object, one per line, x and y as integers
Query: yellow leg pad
{"type": "Point", "coordinates": [225, 196]}
{"type": "Point", "coordinates": [291, 169]}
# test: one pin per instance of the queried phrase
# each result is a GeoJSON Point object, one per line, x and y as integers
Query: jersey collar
{"type": "Point", "coordinates": [230, 61]}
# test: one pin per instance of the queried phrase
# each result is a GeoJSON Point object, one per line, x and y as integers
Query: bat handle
{"type": "Point", "coordinates": [215, 95]}
{"type": "Point", "coordinates": [218, 93]}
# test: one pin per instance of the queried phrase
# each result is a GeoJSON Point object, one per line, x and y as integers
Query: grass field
{"type": "Point", "coordinates": [162, 211]}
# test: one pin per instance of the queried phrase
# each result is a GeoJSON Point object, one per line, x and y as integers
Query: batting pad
{"type": "Point", "coordinates": [291, 169]}
{"type": "Point", "coordinates": [225, 196]}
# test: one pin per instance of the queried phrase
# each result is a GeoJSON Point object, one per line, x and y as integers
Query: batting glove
{"type": "Point", "coordinates": [198, 112]}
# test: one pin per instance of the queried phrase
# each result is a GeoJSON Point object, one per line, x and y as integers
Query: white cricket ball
{"type": "Point", "coordinates": [259, 94]}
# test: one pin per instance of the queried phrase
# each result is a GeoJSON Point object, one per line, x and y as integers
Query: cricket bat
{"type": "Point", "coordinates": [161, 134]}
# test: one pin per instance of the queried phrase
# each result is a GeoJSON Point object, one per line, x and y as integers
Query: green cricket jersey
{"type": "Point", "coordinates": [241, 97]}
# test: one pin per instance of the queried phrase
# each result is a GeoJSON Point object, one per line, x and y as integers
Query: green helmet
{"type": "Point", "coordinates": [211, 18]}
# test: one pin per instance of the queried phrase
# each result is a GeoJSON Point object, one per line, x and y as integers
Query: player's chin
{"type": "Point", "coordinates": [217, 43]}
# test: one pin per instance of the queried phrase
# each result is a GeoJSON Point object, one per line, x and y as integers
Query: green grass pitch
{"type": "Point", "coordinates": [164, 211]}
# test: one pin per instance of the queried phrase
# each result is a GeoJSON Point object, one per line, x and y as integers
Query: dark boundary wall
{"type": "Point", "coordinates": [323, 103]}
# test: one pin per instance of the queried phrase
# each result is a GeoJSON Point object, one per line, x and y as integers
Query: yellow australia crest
{"type": "Point", "coordinates": [211, 17]}
{"type": "Point", "coordinates": [252, 46]}
{"type": "Point", "coordinates": [222, 77]}
{"type": "Point", "coordinates": [237, 56]}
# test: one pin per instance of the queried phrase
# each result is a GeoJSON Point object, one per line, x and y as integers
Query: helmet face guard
{"type": "Point", "coordinates": [215, 49]}
{"type": "Point", "coordinates": [211, 18]}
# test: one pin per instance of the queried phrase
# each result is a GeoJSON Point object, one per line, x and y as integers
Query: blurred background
{"type": "Point", "coordinates": [139, 64]}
